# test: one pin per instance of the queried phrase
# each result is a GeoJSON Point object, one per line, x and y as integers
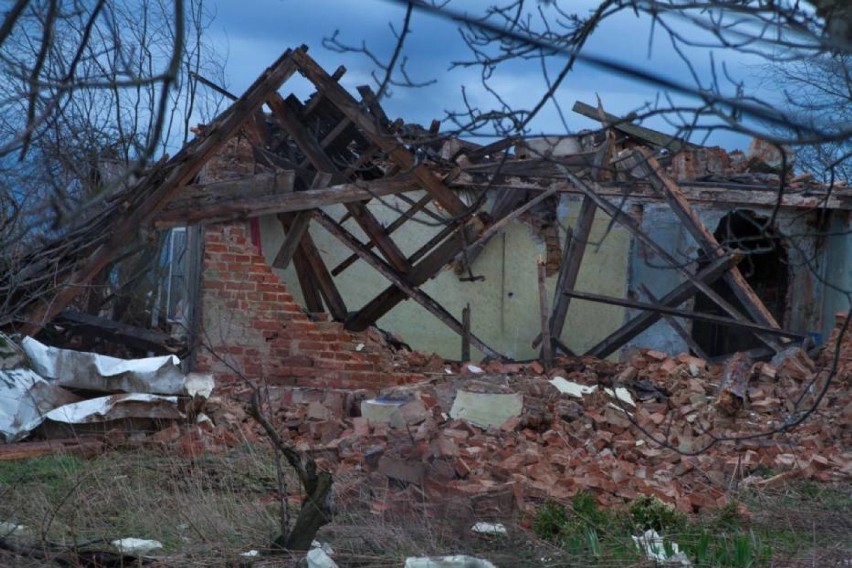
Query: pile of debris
{"type": "Point", "coordinates": [492, 440]}
{"type": "Point", "coordinates": [496, 438]}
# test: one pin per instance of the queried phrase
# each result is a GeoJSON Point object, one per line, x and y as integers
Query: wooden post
{"type": "Point", "coordinates": [572, 259]}
{"type": "Point", "coordinates": [465, 351]}
{"type": "Point", "coordinates": [546, 343]}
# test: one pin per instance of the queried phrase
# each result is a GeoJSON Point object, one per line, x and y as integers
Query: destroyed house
{"type": "Point", "coordinates": [295, 225]}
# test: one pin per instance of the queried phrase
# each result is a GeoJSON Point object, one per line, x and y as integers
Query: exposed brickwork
{"type": "Point", "coordinates": [253, 326]}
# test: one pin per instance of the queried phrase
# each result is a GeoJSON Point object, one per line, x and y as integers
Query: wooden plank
{"type": "Point", "coordinates": [633, 226]}
{"type": "Point", "coordinates": [627, 127]}
{"type": "Point", "coordinates": [569, 270]}
{"type": "Point", "coordinates": [310, 290]}
{"type": "Point", "coordinates": [369, 127]}
{"type": "Point", "coordinates": [159, 187]}
{"type": "Point", "coordinates": [648, 165]}
{"type": "Point", "coordinates": [675, 325]}
{"type": "Point", "coordinates": [711, 193]}
{"type": "Point", "coordinates": [536, 167]}
{"type": "Point", "coordinates": [543, 309]}
{"type": "Point", "coordinates": [298, 228]}
{"type": "Point", "coordinates": [372, 101]}
{"type": "Point", "coordinates": [465, 349]}
{"type": "Point", "coordinates": [498, 227]}
{"type": "Point", "coordinates": [87, 446]}
{"type": "Point", "coordinates": [399, 281]}
{"type": "Point", "coordinates": [116, 331]}
{"type": "Point", "coordinates": [503, 204]}
{"type": "Point", "coordinates": [319, 274]}
{"type": "Point", "coordinates": [236, 200]}
{"type": "Point", "coordinates": [488, 150]}
{"type": "Point", "coordinates": [668, 308]}
{"type": "Point", "coordinates": [398, 222]}
{"type": "Point", "coordinates": [420, 273]}
{"type": "Point", "coordinates": [437, 239]}
{"type": "Point", "coordinates": [675, 297]}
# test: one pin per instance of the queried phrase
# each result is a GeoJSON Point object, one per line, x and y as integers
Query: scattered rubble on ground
{"type": "Point", "coordinates": [497, 442]}
{"type": "Point", "coordinates": [581, 427]}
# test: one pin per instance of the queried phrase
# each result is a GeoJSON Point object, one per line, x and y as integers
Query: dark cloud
{"type": "Point", "coordinates": [254, 33]}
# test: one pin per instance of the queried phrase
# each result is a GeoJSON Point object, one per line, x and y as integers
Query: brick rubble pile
{"type": "Point", "coordinates": [416, 447]}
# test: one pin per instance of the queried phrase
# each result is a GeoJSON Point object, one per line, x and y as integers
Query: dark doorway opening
{"type": "Point", "coordinates": [766, 270]}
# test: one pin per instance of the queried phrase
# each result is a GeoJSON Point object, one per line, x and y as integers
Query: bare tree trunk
{"type": "Point", "coordinates": [317, 485]}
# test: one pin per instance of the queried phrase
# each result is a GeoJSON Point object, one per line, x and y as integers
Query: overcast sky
{"type": "Point", "coordinates": [251, 34]}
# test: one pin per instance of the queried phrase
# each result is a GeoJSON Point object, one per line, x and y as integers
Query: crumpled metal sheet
{"type": "Point", "coordinates": [25, 398]}
{"type": "Point", "coordinates": [117, 407]}
{"type": "Point", "coordinates": [91, 371]}
{"type": "Point", "coordinates": [28, 397]}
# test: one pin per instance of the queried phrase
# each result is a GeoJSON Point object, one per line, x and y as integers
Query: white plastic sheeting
{"type": "Point", "coordinates": [136, 546]}
{"type": "Point", "coordinates": [654, 548]}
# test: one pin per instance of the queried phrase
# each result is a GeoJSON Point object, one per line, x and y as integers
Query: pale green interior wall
{"type": "Point", "coordinates": [504, 306]}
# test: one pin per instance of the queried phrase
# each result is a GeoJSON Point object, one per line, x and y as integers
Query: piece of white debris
{"type": "Point", "coordinates": [11, 529]}
{"type": "Point", "coordinates": [654, 548]}
{"type": "Point", "coordinates": [474, 369]}
{"type": "Point", "coordinates": [250, 553]}
{"type": "Point", "coordinates": [571, 388]}
{"type": "Point", "coordinates": [324, 546]}
{"type": "Point", "coordinates": [359, 347]}
{"type": "Point", "coordinates": [621, 394]}
{"type": "Point", "coordinates": [489, 528]}
{"type": "Point", "coordinates": [317, 558]}
{"type": "Point", "coordinates": [457, 561]}
{"type": "Point", "coordinates": [138, 546]}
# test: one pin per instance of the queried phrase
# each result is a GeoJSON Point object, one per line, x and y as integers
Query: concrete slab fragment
{"type": "Point", "coordinates": [383, 412]}
{"type": "Point", "coordinates": [486, 410]}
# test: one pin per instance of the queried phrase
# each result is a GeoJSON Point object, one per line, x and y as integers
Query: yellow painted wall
{"type": "Point", "coordinates": [504, 306]}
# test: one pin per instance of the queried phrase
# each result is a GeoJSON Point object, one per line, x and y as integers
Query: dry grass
{"type": "Point", "coordinates": [207, 511]}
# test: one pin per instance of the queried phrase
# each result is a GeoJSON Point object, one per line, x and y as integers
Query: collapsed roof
{"type": "Point", "coordinates": [336, 149]}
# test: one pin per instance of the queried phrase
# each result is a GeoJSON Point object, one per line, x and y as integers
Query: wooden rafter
{"type": "Point", "coordinates": [400, 282]}
{"type": "Point", "coordinates": [677, 296]}
{"type": "Point", "coordinates": [633, 226]}
{"type": "Point", "coordinates": [372, 129]}
{"type": "Point", "coordinates": [424, 270]}
{"type": "Point", "coordinates": [647, 164]}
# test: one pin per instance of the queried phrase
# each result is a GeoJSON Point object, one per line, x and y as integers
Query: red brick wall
{"type": "Point", "coordinates": [252, 327]}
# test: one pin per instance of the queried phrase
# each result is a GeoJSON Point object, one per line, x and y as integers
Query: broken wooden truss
{"type": "Point", "coordinates": [339, 149]}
